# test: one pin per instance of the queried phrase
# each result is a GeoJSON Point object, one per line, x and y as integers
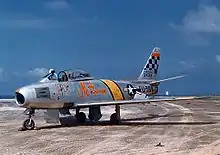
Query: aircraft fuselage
{"type": "Point", "coordinates": [64, 94]}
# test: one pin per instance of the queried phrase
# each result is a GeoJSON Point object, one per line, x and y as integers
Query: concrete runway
{"type": "Point", "coordinates": [180, 127]}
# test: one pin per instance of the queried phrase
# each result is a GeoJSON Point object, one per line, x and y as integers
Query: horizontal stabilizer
{"type": "Point", "coordinates": [167, 79]}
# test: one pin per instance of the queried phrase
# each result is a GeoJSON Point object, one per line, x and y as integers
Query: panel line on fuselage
{"type": "Point", "coordinates": [114, 89]}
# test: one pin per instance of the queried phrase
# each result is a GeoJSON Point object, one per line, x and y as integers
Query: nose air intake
{"type": "Point", "coordinates": [19, 98]}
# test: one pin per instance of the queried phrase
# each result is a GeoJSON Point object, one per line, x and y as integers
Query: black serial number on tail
{"type": "Point", "coordinates": [148, 74]}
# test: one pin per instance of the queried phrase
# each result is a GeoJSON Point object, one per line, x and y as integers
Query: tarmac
{"type": "Point", "coordinates": [177, 128]}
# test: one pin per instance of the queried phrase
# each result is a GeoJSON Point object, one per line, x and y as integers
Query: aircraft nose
{"type": "Point", "coordinates": [22, 97]}
{"type": "Point", "coordinates": [19, 98]}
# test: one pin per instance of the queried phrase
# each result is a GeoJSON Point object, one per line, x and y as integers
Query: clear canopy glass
{"type": "Point", "coordinates": [66, 75]}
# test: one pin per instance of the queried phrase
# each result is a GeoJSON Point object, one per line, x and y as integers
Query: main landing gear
{"type": "Point", "coordinates": [29, 123]}
{"type": "Point", "coordinates": [115, 117]}
{"type": "Point", "coordinates": [80, 116]}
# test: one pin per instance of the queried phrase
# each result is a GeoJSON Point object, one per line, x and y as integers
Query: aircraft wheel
{"type": "Point", "coordinates": [113, 119]}
{"type": "Point", "coordinates": [91, 118]}
{"type": "Point", "coordinates": [28, 124]}
{"type": "Point", "coordinates": [94, 118]}
{"type": "Point", "coordinates": [81, 117]}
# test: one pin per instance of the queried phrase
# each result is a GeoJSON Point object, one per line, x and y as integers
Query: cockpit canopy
{"type": "Point", "coordinates": [67, 75]}
{"type": "Point", "coordinates": [73, 75]}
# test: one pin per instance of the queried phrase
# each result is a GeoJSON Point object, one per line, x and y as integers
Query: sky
{"type": "Point", "coordinates": [111, 39]}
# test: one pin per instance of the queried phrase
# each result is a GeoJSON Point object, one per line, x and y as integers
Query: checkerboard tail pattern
{"type": "Point", "coordinates": [150, 70]}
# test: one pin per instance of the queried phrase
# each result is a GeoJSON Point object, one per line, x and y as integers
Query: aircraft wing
{"type": "Point", "coordinates": [137, 101]}
{"type": "Point", "coordinates": [167, 79]}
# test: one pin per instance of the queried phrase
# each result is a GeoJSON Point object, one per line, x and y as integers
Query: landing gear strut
{"type": "Point", "coordinates": [115, 117]}
{"type": "Point", "coordinates": [29, 123]}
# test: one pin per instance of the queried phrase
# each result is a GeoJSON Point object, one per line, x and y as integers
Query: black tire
{"type": "Point", "coordinates": [91, 118]}
{"type": "Point", "coordinates": [113, 119]}
{"type": "Point", "coordinates": [81, 117]}
{"type": "Point", "coordinates": [96, 119]}
{"type": "Point", "coordinates": [28, 124]}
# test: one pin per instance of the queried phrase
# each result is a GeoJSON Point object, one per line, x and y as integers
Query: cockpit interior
{"type": "Point", "coordinates": [66, 75]}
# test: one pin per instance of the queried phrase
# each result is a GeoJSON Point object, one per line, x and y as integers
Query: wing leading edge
{"type": "Point", "coordinates": [136, 101]}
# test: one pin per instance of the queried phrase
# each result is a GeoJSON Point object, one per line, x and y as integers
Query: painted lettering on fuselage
{"type": "Point", "coordinates": [148, 89]}
{"type": "Point", "coordinates": [84, 91]}
{"type": "Point", "coordinates": [88, 89]}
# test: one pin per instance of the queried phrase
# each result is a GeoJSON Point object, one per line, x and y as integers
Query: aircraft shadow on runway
{"type": "Point", "coordinates": [128, 122]}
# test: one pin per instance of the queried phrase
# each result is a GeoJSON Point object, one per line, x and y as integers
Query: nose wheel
{"type": "Point", "coordinates": [29, 123]}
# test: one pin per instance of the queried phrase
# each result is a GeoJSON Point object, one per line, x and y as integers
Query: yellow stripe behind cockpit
{"type": "Point", "coordinates": [114, 89]}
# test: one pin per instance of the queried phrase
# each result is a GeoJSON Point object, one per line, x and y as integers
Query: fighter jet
{"type": "Point", "coordinates": [77, 89]}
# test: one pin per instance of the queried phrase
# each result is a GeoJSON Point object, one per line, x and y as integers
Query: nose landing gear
{"type": "Point", "coordinates": [29, 123]}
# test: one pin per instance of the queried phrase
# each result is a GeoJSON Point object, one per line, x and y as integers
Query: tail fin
{"type": "Point", "coordinates": [150, 70]}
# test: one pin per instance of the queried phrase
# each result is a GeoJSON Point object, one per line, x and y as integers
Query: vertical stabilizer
{"type": "Point", "coordinates": [149, 72]}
